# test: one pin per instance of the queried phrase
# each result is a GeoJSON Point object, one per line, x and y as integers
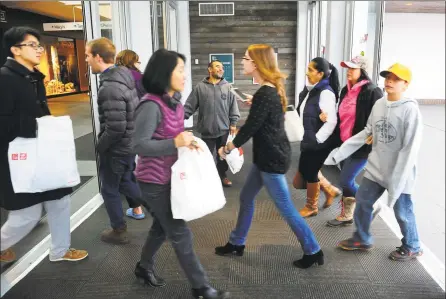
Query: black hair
{"type": "Point", "coordinates": [156, 78]}
{"type": "Point", "coordinates": [16, 35]}
{"type": "Point", "coordinates": [330, 72]}
{"type": "Point", "coordinates": [364, 76]}
{"type": "Point", "coordinates": [212, 62]}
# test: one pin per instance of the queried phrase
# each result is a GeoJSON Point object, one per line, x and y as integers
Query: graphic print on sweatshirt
{"type": "Point", "coordinates": [385, 131]}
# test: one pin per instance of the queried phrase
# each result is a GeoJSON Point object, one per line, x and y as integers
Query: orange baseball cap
{"type": "Point", "coordinates": [399, 70]}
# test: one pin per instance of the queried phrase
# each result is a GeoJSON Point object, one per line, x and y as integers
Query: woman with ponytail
{"type": "Point", "coordinates": [272, 157]}
{"type": "Point", "coordinates": [320, 95]}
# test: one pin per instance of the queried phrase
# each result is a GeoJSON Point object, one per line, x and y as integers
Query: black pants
{"type": "Point", "coordinates": [116, 175]}
{"type": "Point", "coordinates": [216, 144]}
{"type": "Point", "coordinates": [156, 198]}
{"type": "Point", "coordinates": [311, 162]}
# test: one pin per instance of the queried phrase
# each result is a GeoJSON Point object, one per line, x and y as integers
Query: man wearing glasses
{"type": "Point", "coordinates": [22, 100]}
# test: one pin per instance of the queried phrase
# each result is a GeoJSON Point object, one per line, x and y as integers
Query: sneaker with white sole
{"type": "Point", "coordinates": [72, 255]}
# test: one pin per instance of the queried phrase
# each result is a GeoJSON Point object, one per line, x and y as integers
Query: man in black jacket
{"type": "Point", "coordinates": [117, 101]}
{"type": "Point", "coordinates": [23, 99]}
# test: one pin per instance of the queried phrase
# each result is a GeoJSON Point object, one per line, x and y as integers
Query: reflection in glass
{"type": "Point", "coordinates": [59, 64]}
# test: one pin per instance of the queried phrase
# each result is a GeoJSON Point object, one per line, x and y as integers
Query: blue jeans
{"type": "Point", "coordinates": [116, 176]}
{"type": "Point", "coordinates": [277, 188]}
{"type": "Point", "coordinates": [350, 168]}
{"type": "Point", "coordinates": [369, 192]}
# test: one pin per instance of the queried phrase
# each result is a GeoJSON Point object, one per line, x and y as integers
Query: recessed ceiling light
{"type": "Point", "coordinates": [409, 4]}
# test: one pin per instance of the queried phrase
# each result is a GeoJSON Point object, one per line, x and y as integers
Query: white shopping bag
{"type": "Point", "coordinates": [52, 156]}
{"type": "Point", "coordinates": [235, 159]}
{"type": "Point", "coordinates": [293, 126]}
{"type": "Point", "coordinates": [22, 158]}
{"type": "Point", "coordinates": [196, 189]}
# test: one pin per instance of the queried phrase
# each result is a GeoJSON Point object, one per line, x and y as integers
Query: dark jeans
{"type": "Point", "coordinates": [310, 162]}
{"type": "Point", "coordinates": [350, 168]}
{"type": "Point", "coordinates": [156, 198]}
{"type": "Point", "coordinates": [216, 144]}
{"type": "Point", "coordinates": [116, 175]}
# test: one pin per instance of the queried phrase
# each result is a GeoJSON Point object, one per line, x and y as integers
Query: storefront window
{"type": "Point", "coordinates": [60, 66]}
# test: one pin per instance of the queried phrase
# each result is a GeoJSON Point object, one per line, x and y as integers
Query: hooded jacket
{"type": "Point", "coordinates": [117, 101]}
{"type": "Point", "coordinates": [397, 129]}
{"type": "Point", "coordinates": [218, 109]}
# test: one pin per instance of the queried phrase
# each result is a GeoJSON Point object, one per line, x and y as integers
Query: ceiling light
{"type": "Point", "coordinates": [409, 4]}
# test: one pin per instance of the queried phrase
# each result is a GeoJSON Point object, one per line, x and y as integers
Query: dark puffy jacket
{"type": "Point", "coordinates": [117, 101]}
{"type": "Point", "coordinates": [367, 97]}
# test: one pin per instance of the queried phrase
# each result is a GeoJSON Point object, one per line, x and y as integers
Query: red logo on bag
{"type": "Point", "coordinates": [182, 176]}
{"type": "Point", "coordinates": [23, 156]}
{"type": "Point", "coordinates": [15, 157]}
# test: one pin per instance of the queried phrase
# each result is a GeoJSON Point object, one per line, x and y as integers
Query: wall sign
{"type": "Point", "coordinates": [227, 59]}
{"type": "Point", "coordinates": [254, 81]}
{"type": "Point", "coordinates": [72, 26]}
{"type": "Point", "coordinates": [3, 16]}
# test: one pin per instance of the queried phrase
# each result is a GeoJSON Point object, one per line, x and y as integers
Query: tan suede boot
{"type": "Point", "coordinates": [311, 208]}
{"type": "Point", "coordinates": [329, 190]}
{"type": "Point", "coordinates": [348, 205]}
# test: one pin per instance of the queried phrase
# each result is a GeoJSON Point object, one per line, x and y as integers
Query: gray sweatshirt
{"type": "Point", "coordinates": [218, 108]}
{"type": "Point", "coordinates": [397, 129]}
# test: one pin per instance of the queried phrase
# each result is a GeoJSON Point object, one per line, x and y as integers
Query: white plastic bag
{"type": "Point", "coordinates": [235, 159]}
{"type": "Point", "coordinates": [49, 161]}
{"type": "Point", "coordinates": [22, 158]}
{"type": "Point", "coordinates": [196, 189]}
{"type": "Point", "coordinates": [293, 126]}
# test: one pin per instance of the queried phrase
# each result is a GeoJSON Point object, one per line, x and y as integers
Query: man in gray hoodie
{"type": "Point", "coordinates": [395, 128]}
{"type": "Point", "coordinates": [218, 113]}
{"type": "Point", "coordinates": [117, 101]}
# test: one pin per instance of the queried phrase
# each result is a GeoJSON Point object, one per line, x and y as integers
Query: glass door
{"type": "Point", "coordinates": [171, 30]}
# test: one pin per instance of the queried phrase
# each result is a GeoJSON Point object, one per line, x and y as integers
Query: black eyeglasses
{"type": "Point", "coordinates": [37, 47]}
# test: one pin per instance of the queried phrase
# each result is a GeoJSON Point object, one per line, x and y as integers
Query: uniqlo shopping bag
{"type": "Point", "coordinates": [196, 188]}
{"type": "Point", "coordinates": [50, 158]}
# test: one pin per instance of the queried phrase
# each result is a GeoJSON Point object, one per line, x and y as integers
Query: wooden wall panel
{"type": "Point", "coordinates": [271, 22]}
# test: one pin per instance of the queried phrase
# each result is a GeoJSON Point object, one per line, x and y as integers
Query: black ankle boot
{"type": "Point", "coordinates": [230, 249]}
{"type": "Point", "coordinates": [209, 293]}
{"type": "Point", "coordinates": [149, 277]}
{"type": "Point", "coordinates": [309, 260]}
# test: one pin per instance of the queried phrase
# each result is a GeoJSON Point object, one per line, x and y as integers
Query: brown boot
{"type": "Point", "coordinates": [348, 205]}
{"type": "Point", "coordinates": [299, 182]}
{"type": "Point", "coordinates": [329, 190]}
{"type": "Point", "coordinates": [311, 208]}
{"type": "Point", "coordinates": [115, 236]}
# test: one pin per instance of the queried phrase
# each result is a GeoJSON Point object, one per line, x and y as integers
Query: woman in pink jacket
{"type": "Point", "coordinates": [355, 105]}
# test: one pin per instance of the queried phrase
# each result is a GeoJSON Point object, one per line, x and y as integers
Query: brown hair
{"type": "Point", "coordinates": [127, 58]}
{"type": "Point", "coordinates": [104, 48]}
{"type": "Point", "coordinates": [266, 63]}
